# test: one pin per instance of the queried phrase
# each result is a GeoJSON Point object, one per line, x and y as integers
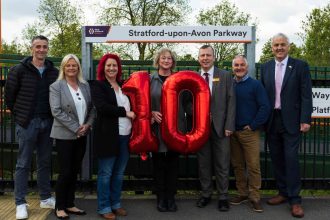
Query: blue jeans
{"type": "Point", "coordinates": [34, 137]}
{"type": "Point", "coordinates": [110, 178]}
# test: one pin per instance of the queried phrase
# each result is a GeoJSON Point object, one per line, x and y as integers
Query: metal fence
{"type": "Point", "coordinates": [314, 149]}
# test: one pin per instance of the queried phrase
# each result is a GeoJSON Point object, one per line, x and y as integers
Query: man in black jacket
{"type": "Point", "coordinates": [27, 97]}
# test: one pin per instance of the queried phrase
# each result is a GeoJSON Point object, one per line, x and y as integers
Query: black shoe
{"type": "Point", "coordinates": [162, 205]}
{"type": "Point", "coordinates": [81, 212]}
{"type": "Point", "coordinates": [61, 217]}
{"type": "Point", "coordinates": [172, 207]}
{"type": "Point", "coordinates": [223, 205]}
{"type": "Point", "coordinates": [203, 201]}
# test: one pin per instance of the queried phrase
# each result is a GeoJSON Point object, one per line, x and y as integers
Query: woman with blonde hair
{"type": "Point", "coordinates": [165, 162]}
{"type": "Point", "coordinates": [73, 112]}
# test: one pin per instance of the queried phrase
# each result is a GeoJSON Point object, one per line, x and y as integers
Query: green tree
{"type": "Point", "coordinates": [187, 57]}
{"type": "Point", "coordinates": [145, 13]}
{"type": "Point", "coordinates": [267, 53]}
{"type": "Point", "coordinates": [11, 48]}
{"type": "Point", "coordinates": [29, 32]}
{"type": "Point", "coordinates": [296, 51]}
{"type": "Point", "coordinates": [225, 14]}
{"type": "Point", "coordinates": [316, 36]}
{"type": "Point", "coordinates": [22, 46]}
{"type": "Point", "coordinates": [62, 21]}
{"type": "Point", "coordinates": [67, 42]}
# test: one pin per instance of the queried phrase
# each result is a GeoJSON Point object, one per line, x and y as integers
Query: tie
{"type": "Point", "coordinates": [206, 77]}
{"type": "Point", "coordinates": [278, 85]}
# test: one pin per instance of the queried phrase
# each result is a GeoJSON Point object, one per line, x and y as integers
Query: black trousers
{"type": "Point", "coordinates": [165, 169]}
{"type": "Point", "coordinates": [69, 154]}
{"type": "Point", "coordinates": [284, 151]}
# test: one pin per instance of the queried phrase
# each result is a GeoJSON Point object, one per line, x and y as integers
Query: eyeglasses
{"type": "Point", "coordinates": [78, 96]}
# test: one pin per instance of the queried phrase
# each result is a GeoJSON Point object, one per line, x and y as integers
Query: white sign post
{"type": "Point", "coordinates": [166, 34]}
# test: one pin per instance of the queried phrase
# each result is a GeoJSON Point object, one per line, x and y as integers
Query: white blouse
{"type": "Point", "coordinates": [125, 124]}
{"type": "Point", "coordinates": [80, 103]}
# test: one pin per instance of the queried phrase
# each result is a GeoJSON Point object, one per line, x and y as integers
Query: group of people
{"type": "Point", "coordinates": [49, 104]}
{"type": "Point", "coordinates": [63, 106]}
{"type": "Point", "coordinates": [241, 107]}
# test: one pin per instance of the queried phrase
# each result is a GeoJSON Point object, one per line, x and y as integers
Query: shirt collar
{"type": "Point", "coordinates": [243, 79]}
{"type": "Point", "coordinates": [210, 71]}
{"type": "Point", "coordinates": [284, 62]}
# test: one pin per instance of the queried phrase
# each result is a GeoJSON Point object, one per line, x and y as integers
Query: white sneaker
{"type": "Point", "coordinates": [21, 211]}
{"type": "Point", "coordinates": [48, 203]}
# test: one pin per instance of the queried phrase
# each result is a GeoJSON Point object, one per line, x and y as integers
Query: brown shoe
{"type": "Point", "coordinates": [120, 212]}
{"type": "Point", "coordinates": [237, 200]}
{"type": "Point", "coordinates": [276, 200]}
{"type": "Point", "coordinates": [256, 206]}
{"type": "Point", "coordinates": [109, 215]}
{"type": "Point", "coordinates": [297, 211]}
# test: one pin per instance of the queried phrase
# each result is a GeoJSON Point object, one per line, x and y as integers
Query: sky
{"type": "Point", "coordinates": [272, 16]}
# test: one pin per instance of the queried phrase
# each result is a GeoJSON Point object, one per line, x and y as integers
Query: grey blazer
{"type": "Point", "coordinates": [223, 102]}
{"type": "Point", "coordinates": [66, 122]}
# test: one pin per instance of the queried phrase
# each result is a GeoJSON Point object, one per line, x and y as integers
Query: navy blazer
{"type": "Point", "coordinates": [296, 93]}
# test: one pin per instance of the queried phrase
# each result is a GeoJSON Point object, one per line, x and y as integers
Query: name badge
{"type": "Point", "coordinates": [216, 80]}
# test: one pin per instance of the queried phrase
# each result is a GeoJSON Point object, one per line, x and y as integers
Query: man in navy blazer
{"type": "Point", "coordinates": [289, 88]}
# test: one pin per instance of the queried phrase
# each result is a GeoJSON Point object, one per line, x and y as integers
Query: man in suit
{"type": "Point", "coordinates": [27, 97]}
{"type": "Point", "coordinates": [289, 88]}
{"type": "Point", "coordinates": [215, 154]}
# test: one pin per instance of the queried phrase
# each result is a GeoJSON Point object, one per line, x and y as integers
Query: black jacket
{"type": "Point", "coordinates": [106, 132]}
{"type": "Point", "coordinates": [21, 89]}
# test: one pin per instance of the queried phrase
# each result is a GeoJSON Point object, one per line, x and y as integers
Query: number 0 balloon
{"type": "Point", "coordinates": [195, 139]}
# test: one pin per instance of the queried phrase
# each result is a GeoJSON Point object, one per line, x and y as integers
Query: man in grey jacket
{"type": "Point", "coordinates": [216, 152]}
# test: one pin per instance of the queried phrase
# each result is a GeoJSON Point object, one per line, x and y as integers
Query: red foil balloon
{"type": "Point", "coordinates": [197, 137]}
{"type": "Point", "coordinates": [137, 87]}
